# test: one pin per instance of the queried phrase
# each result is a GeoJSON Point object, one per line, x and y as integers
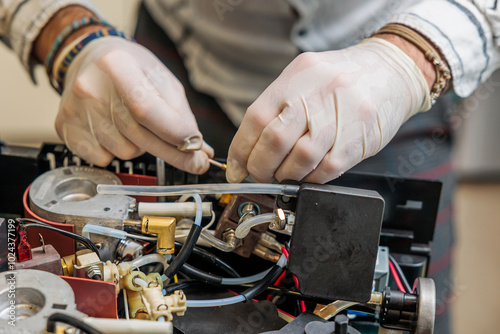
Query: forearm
{"type": "Point", "coordinates": [57, 23]}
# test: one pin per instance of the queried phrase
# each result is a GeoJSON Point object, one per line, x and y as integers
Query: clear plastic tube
{"type": "Point", "coordinates": [112, 232]}
{"type": "Point", "coordinates": [219, 244]}
{"type": "Point", "coordinates": [231, 300]}
{"type": "Point", "coordinates": [150, 258]}
{"type": "Point", "coordinates": [215, 302]}
{"type": "Point", "coordinates": [250, 279]}
{"type": "Point", "coordinates": [244, 228]}
{"type": "Point", "coordinates": [223, 188]}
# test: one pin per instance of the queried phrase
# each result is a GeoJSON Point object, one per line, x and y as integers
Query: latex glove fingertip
{"type": "Point", "coordinates": [235, 173]}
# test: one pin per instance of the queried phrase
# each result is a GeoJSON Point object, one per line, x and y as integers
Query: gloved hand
{"type": "Point", "coordinates": [120, 100]}
{"type": "Point", "coordinates": [326, 112]}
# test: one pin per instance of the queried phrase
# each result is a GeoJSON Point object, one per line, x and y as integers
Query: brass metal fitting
{"type": "Point", "coordinates": [229, 237]}
{"type": "Point", "coordinates": [164, 228]}
{"type": "Point", "coordinates": [281, 220]}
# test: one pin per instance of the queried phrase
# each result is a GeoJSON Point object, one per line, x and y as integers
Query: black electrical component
{"type": "Point", "coordinates": [309, 323]}
{"type": "Point", "coordinates": [335, 240]}
{"type": "Point", "coordinates": [398, 309]}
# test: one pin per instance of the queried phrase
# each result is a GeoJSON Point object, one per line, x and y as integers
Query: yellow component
{"type": "Point", "coordinates": [135, 304]}
{"type": "Point", "coordinates": [225, 199]}
{"type": "Point", "coordinates": [68, 261]}
{"type": "Point", "coordinates": [176, 280]}
{"type": "Point", "coordinates": [129, 280]}
{"type": "Point", "coordinates": [164, 228]}
{"type": "Point", "coordinates": [155, 277]}
{"type": "Point", "coordinates": [159, 305]}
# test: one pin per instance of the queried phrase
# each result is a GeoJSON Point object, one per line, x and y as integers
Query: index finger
{"type": "Point", "coordinates": [266, 108]}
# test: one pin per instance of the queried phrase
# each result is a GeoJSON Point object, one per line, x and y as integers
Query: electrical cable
{"type": "Point", "coordinates": [302, 304]}
{"type": "Point", "coordinates": [85, 241]}
{"type": "Point", "coordinates": [401, 274]}
{"type": "Point", "coordinates": [212, 259]}
{"type": "Point", "coordinates": [201, 275]}
{"type": "Point", "coordinates": [245, 295]}
{"type": "Point", "coordinates": [219, 280]}
{"type": "Point", "coordinates": [396, 277]}
{"type": "Point", "coordinates": [181, 285]}
{"type": "Point", "coordinates": [69, 320]}
{"type": "Point", "coordinates": [191, 239]}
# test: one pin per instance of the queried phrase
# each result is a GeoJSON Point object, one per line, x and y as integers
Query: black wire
{"type": "Point", "coordinates": [201, 275]}
{"type": "Point", "coordinates": [85, 241]}
{"type": "Point", "coordinates": [213, 259]}
{"type": "Point", "coordinates": [259, 287]}
{"type": "Point", "coordinates": [185, 285]}
{"type": "Point", "coordinates": [67, 319]}
{"type": "Point", "coordinates": [185, 251]}
{"type": "Point", "coordinates": [400, 273]}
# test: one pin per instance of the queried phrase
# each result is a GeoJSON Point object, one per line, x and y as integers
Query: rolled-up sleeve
{"type": "Point", "coordinates": [22, 20]}
{"type": "Point", "coordinates": [467, 33]}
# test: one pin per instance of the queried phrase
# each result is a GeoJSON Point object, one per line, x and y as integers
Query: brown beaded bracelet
{"type": "Point", "coordinates": [443, 75]}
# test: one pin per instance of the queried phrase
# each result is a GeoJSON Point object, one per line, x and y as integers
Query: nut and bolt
{"type": "Point", "coordinates": [280, 222]}
{"type": "Point", "coordinates": [94, 272]}
{"type": "Point", "coordinates": [229, 237]}
{"type": "Point", "coordinates": [247, 210]}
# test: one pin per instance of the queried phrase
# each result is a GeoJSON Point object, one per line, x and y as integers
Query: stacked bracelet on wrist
{"type": "Point", "coordinates": [67, 55]}
{"type": "Point", "coordinates": [443, 75]}
{"type": "Point", "coordinates": [66, 33]}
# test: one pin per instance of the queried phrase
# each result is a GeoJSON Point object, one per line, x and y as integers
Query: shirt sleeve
{"type": "Point", "coordinates": [467, 33]}
{"type": "Point", "coordinates": [22, 20]}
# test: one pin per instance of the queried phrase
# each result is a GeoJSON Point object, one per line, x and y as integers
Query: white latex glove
{"type": "Point", "coordinates": [120, 100]}
{"type": "Point", "coordinates": [326, 112]}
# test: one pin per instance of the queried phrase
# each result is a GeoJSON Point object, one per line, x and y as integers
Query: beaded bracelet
{"type": "Point", "coordinates": [68, 31]}
{"type": "Point", "coordinates": [59, 73]}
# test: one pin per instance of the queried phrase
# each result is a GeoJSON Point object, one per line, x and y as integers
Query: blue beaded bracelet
{"type": "Point", "coordinates": [57, 81]}
{"type": "Point", "coordinates": [65, 33]}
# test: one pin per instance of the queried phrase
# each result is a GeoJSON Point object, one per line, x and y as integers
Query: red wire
{"type": "Point", "coordinates": [396, 277]}
{"type": "Point", "coordinates": [296, 281]}
{"type": "Point", "coordinates": [283, 249]}
{"type": "Point", "coordinates": [280, 278]}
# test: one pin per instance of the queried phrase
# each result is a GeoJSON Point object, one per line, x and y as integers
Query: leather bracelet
{"type": "Point", "coordinates": [443, 74]}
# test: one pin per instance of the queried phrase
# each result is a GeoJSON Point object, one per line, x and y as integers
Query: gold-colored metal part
{"type": "Point", "coordinates": [142, 314]}
{"type": "Point", "coordinates": [332, 309]}
{"type": "Point", "coordinates": [164, 228]}
{"type": "Point", "coordinates": [218, 164]}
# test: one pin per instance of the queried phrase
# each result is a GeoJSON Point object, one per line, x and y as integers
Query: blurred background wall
{"type": "Point", "coordinates": [27, 114]}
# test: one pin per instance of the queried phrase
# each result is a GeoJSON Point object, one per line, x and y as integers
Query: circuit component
{"type": "Point", "coordinates": [327, 263]}
{"type": "Point", "coordinates": [239, 209]}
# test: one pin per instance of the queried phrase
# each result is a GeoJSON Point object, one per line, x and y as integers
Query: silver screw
{"type": "Point", "coordinates": [94, 272]}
